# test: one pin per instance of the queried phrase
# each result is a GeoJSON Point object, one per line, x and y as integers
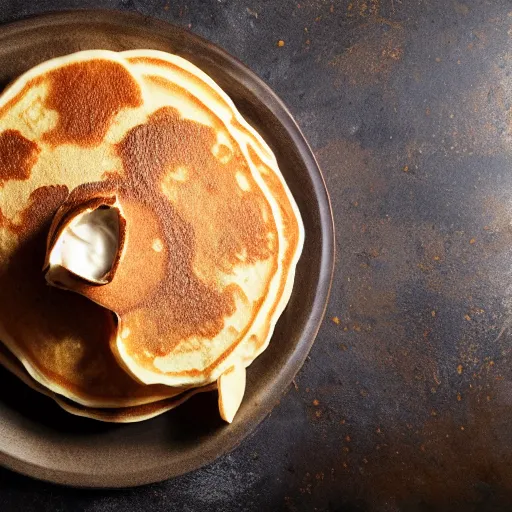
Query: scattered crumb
{"type": "Point", "coordinates": [472, 241]}
{"type": "Point", "coordinates": [459, 369]}
{"type": "Point", "coordinates": [467, 317]}
{"type": "Point", "coordinates": [459, 397]}
{"type": "Point", "coordinates": [433, 313]}
{"type": "Point", "coordinates": [405, 168]}
{"type": "Point", "coordinates": [316, 402]}
{"type": "Point", "coordinates": [336, 320]}
{"type": "Point", "coordinates": [280, 43]}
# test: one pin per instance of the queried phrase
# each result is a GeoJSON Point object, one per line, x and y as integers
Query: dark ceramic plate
{"type": "Point", "coordinates": [39, 439]}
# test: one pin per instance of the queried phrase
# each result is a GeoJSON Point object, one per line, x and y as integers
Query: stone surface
{"type": "Point", "coordinates": [405, 403]}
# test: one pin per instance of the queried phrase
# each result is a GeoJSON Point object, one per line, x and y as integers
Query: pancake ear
{"type": "Point", "coordinates": [231, 386]}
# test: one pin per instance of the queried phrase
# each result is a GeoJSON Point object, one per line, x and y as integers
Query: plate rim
{"type": "Point", "coordinates": [295, 361]}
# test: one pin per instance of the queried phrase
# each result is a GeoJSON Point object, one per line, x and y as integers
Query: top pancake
{"type": "Point", "coordinates": [212, 232]}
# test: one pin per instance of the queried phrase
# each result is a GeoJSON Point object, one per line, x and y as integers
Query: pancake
{"type": "Point", "coordinates": [202, 199]}
{"type": "Point", "coordinates": [62, 339]}
{"type": "Point", "coordinates": [114, 415]}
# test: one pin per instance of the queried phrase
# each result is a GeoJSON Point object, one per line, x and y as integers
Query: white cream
{"type": "Point", "coordinates": [88, 245]}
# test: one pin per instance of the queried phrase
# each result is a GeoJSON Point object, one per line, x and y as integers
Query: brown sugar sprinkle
{"type": "Point", "coordinates": [280, 43]}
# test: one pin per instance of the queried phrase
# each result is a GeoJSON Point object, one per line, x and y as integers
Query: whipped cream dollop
{"type": "Point", "coordinates": [88, 245]}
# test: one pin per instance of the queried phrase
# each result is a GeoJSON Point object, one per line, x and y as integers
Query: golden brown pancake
{"type": "Point", "coordinates": [112, 415]}
{"type": "Point", "coordinates": [211, 234]}
{"type": "Point", "coordinates": [221, 232]}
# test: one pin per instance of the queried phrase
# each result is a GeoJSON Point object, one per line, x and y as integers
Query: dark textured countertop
{"type": "Point", "coordinates": [405, 403]}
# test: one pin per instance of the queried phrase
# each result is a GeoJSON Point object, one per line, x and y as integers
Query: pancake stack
{"type": "Point", "coordinates": [148, 241]}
